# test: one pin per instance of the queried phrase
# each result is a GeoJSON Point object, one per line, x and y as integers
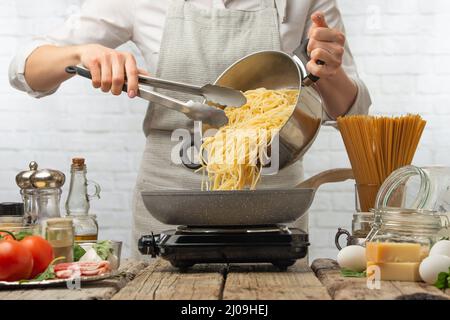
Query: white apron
{"type": "Point", "coordinates": [196, 47]}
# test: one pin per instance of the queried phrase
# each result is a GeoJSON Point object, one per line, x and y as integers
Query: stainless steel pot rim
{"type": "Point", "coordinates": [301, 70]}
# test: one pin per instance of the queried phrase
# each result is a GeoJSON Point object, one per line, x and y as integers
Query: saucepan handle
{"type": "Point", "coordinates": [328, 176]}
{"type": "Point", "coordinates": [303, 52]}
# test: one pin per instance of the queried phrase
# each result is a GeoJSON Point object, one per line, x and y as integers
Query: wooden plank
{"type": "Point", "coordinates": [263, 282]}
{"type": "Point", "coordinates": [341, 288]}
{"type": "Point", "coordinates": [100, 290]}
{"type": "Point", "coordinates": [161, 281]}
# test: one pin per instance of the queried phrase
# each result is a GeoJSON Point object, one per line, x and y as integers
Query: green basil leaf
{"type": "Point", "coordinates": [352, 274]}
{"type": "Point", "coordinates": [22, 234]}
{"type": "Point", "coordinates": [78, 252]}
{"type": "Point", "coordinates": [49, 273]}
{"type": "Point", "coordinates": [441, 282]}
{"type": "Point", "coordinates": [103, 249]}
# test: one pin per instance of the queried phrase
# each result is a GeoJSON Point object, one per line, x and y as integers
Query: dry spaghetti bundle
{"type": "Point", "coordinates": [377, 146]}
{"type": "Point", "coordinates": [235, 154]}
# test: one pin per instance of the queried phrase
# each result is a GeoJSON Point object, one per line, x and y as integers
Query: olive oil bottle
{"type": "Point", "coordinates": [77, 203]}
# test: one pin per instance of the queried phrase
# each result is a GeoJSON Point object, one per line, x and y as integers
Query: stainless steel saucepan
{"type": "Point", "coordinates": [231, 208]}
{"type": "Point", "coordinates": [278, 70]}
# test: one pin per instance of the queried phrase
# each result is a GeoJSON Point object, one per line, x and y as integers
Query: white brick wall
{"type": "Point", "coordinates": [401, 48]}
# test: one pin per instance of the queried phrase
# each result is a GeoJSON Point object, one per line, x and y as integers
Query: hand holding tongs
{"type": "Point", "coordinates": [216, 95]}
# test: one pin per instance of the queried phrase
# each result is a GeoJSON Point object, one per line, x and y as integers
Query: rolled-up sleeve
{"type": "Point", "coordinates": [334, 19]}
{"type": "Point", "coordinates": [105, 22]}
{"type": "Point", "coordinates": [17, 69]}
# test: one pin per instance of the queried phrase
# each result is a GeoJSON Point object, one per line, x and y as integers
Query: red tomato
{"type": "Point", "coordinates": [16, 261]}
{"type": "Point", "coordinates": [42, 253]}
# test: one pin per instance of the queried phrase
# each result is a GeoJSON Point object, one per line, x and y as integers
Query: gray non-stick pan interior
{"type": "Point", "coordinates": [202, 208]}
{"type": "Point", "coordinates": [247, 207]}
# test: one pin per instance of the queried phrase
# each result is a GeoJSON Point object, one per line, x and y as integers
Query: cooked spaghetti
{"type": "Point", "coordinates": [236, 153]}
{"type": "Point", "coordinates": [376, 146]}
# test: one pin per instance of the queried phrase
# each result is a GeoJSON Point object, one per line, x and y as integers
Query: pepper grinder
{"type": "Point", "coordinates": [41, 193]}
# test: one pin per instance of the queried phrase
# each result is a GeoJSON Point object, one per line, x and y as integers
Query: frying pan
{"type": "Point", "coordinates": [246, 207]}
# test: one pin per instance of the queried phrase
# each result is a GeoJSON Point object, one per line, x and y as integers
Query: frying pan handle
{"type": "Point", "coordinates": [329, 176]}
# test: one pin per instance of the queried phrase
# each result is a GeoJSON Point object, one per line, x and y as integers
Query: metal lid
{"type": "Point", "coordinates": [47, 178]}
{"type": "Point", "coordinates": [23, 177]}
{"type": "Point", "coordinates": [11, 209]}
{"type": "Point", "coordinates": [59, 222]}
{"type": "Point", "coordinates": [44, 178]}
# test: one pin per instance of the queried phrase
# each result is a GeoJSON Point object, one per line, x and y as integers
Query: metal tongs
{"type": "Point", "coordinates": [209, 112]}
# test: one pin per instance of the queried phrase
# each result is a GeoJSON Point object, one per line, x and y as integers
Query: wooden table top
{"type": "Point", "coordinates": [158, 280]}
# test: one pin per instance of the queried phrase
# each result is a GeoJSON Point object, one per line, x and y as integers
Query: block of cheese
{"type": "Point", "coordinates": [382, 252]}
{"type": "Point", "coordinates": [394, 271]}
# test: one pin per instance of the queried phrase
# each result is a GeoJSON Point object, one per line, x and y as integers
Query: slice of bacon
{"type": "Point", "coordinates": [64, 274]}
{"type": "Point", "coordinates": [86, 268]}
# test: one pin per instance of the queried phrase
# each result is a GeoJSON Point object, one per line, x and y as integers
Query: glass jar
{"type": "Point", "coordinates": [86, 227]}
{"type": "Point", "coordinates": [20, 232]}
{"type": "Point", "coordinates": [11, 214]}
{"type": "Point", "coordinates": [30, 214]}
{"type": "Point", "coordinates": [365, 195]}
{"type": "Point", "coordinates": [60, 233]}
{"type": "Point", "coordinates": [362, 224]}
{"type": "Point", "coordinates": [412, 187]}
{"type": "Point", "coordinates": [48, 202]}
{"type": "Point", "coordinates": [408, 226]}
{"type": "Point", "coordinates": [362, 220]}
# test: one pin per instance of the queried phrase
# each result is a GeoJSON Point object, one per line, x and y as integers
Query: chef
{"type": "Point", "coordinates": [189, 41]}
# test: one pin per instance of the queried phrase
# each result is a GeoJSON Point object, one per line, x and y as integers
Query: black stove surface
{"type": "Point", "coordinates": [186, 246]}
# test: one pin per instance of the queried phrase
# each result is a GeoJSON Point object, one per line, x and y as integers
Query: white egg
{"type": "Point", "coordinates": [441, 248]}
{"type": "Point", "coordinates": [431, 266]}
{"type": "Point", "coordinates": [352, 258]}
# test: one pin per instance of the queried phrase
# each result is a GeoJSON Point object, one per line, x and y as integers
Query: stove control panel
{"type": "Point", "coordinates": [148, 245]}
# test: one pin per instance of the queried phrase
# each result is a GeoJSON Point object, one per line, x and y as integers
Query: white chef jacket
{"type": "Point", "coordinates": [114, 22]}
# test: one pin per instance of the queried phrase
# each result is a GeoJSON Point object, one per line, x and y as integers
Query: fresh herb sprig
{"type": "Point", "coordinates": [78, 252]}
{"type": "Point", "coordinates": [443, 280]}
{"type": "Point", "coordinates": [103, 249]}
{"type": "Point", "coordinates": [352, 274]}
{"type": "Point", "coordinates": [49, 273]}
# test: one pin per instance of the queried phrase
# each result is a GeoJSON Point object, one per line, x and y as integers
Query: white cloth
{"type": "Point", "coordinates": [114, 22]}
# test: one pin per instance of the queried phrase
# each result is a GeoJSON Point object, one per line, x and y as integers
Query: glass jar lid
{"type": "Point", "coordinates": [23, 177]}
{"type": "Point", "coordinates": [406, 187]}
{"type": "Point", "coordinates": [59, 222]}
